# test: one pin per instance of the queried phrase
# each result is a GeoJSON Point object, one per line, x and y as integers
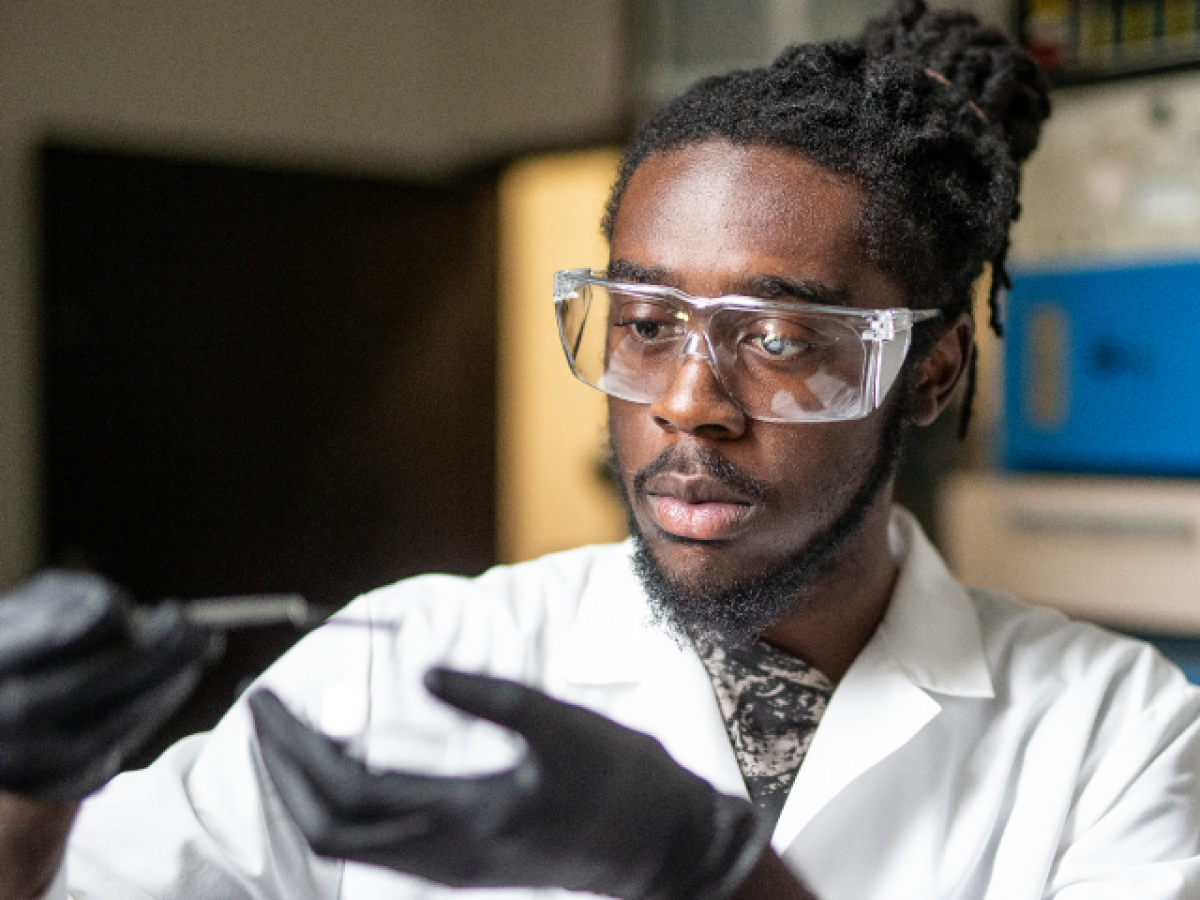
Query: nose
{"type": "Point", "coordinates": [697, 403]}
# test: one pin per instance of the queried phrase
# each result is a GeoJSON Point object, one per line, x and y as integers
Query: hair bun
{"type": "Point", "coordinates": [980, 60]}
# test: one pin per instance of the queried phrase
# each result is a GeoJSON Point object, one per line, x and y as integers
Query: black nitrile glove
{"type": "Point", "coordinates": [592, 806]}
{"type": "Point", "coordinates": [84, 682]}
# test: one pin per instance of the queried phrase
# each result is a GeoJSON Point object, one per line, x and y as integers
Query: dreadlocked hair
{"type": "Point", "coordinates": [931, 112]}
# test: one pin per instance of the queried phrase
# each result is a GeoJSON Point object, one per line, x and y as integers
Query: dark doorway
{"type": "Point", "coordinates": [261, 380]}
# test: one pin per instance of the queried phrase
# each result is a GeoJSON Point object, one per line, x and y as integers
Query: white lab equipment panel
{"type": "Point", "coordinates": [1123, 552]}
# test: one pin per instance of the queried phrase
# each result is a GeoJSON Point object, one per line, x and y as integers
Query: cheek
{"type": "Point", "coordinates": [632, 434]}
{"type": "Point", "coordinates": [813, 469]}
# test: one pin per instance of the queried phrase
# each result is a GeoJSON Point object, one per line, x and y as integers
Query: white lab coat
{"type": "Point", "coordinates": [976, 750]}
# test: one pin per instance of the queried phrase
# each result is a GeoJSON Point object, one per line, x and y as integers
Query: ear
{"type": "Point", "coordinates": [938, 374]}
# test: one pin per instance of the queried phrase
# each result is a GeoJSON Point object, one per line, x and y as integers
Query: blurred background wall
{"type": "Point", "coordinates": [397, 88]}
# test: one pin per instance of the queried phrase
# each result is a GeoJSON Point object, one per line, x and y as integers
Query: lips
{"type": "Point", "coordinates": [698, 507]}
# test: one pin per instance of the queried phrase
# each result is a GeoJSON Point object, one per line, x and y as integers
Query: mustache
{"type": "Point", "coordinates": [700, 460]}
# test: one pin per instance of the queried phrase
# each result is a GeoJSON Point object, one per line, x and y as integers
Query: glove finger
{"type": "Point", "coordinates": [285, 738]}
{"type": "Point", "coordinates": [331, 797]}
{"type": "Point", "coordinates": [498, 700]}
{"type": "Point", "coordinates": [543, 721]}
{"type": "Point", "coordinates": [161, 643]}
{"type": "Point", "coordinates": [345, 810]}
{"type": "Point", "coordinates": [58, 611]}
{"type": "Point", "coordinates": [81, 691]}
{"type": "Point", "coordinates": [346, 782]}
{"type": "Point", "coordinates": [305, 763]}
{"type": "Point", "coordinates": [137, 721]}
{"type": "Point", "coordinates": [67, 765]}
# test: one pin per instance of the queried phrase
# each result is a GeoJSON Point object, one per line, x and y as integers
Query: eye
{"type": "Point", "coordinates": [778, 345]}
{"type": "Point", "coordinates": [648, 322]}
{"type": "Point", "coordinates": [646, 329]}
{"type": "Point", "coordinates": [779, 340]}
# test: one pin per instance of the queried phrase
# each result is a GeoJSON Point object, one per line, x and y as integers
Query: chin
{"type": "Point", "coordinates": [707, 566]}
{"type": "Point", "coordinates": [701, 596]}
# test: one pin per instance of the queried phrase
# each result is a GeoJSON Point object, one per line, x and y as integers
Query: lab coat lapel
{"type": "Point", "coordinates": [928, 643]}
{"type": "Point", "coordinates": [621, 665]}
{"type": "Point", "coordinates": [875, 710]}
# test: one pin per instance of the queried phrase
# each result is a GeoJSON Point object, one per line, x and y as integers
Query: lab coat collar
{"type": "Point", "coordinates": [613, 639]}
{"type": "Point", "coordinates": [930, 629]}
{"type": "Point", "coordinates": [931, 626]}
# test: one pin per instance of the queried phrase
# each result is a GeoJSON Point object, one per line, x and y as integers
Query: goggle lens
{"type": "Point", "coordinates": [779, 362]}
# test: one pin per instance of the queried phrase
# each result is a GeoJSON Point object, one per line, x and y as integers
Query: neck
{"type": "Point", "coordinates": [843, 608]}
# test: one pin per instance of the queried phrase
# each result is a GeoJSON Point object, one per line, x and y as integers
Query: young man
{"type": "Point", "coordinates": [792, 255]}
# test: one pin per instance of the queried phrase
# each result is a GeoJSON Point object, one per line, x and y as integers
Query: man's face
{"type": "Point", "coordinates": [719, 498]}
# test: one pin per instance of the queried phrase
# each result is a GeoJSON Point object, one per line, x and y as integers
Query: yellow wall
{"type": "Point", "coordinates": [551, 426]}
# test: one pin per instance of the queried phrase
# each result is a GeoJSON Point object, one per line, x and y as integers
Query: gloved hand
{"type": "Point", "coordinates": [84, 682]}
{"type": "Point", "coordinates": [592, 806]}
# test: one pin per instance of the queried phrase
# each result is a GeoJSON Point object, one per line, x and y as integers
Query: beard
{"type": "Point", "coordinates": [735, 613]}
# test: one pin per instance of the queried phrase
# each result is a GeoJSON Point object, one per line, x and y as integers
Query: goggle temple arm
{"type": "Point", "coordinates": [892, 340]}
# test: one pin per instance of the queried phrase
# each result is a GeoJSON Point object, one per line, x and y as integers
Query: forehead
{"type": "Point", "coordinates": [715, 214]}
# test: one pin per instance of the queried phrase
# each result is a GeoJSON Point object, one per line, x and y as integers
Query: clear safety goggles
{"type": "Point", "coordinates": [779, 360]}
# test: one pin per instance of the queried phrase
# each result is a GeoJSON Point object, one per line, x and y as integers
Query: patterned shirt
{"type": "Point", "coordinates": [772, 703]}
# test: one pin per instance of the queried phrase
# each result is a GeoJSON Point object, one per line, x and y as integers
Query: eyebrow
{"type": "Point", "coordinates": [807, 290]}
{"type": "Point", "coordinates": [625, 270]}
